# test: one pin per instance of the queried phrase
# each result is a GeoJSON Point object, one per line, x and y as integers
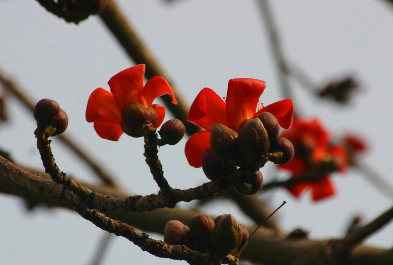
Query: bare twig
{"type": "Point", "coordinates": [102, 248]}
{"type": "Point", "coordinates": [275, 44]}
{"type": "Point", "coordinates": [375, 179]}
{"type": "Point", "coordinates": [76, 148]}
{"type": "Point", "coordinates": [153, 162]}
{"type": "Point", "coordinates": [254, 208]}
{"type": "Point", "coordinates": [121, 28]}
{"type": "Point", "coordinates": [356, 237]}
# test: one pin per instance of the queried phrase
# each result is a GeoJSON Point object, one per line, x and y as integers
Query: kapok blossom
{"type": "Point", "coordinates": [104, 108]}
{"type": "Point", "coordinates": [241, 104]}
{"type": "Point", "coordinates": [311, 142]}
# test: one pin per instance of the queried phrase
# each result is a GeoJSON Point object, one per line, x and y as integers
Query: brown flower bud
{"type": "Point", "coordinates": [177, 233]}
{"type": "Point", "coordinates": [223, 143]}
{"type": "Point", "coordinates": [251, 184]}
{"type": "Point", "coordinates": [282, 151]}
{"type": "Point", "coordinates": [271, 124]}
{"type": "Point", "coordinates": [61, 122]}
{"type": "Point", "coordinates": [212, 167]}
{"type": "Point", "coordinates": [253, 140]}
{"type": "Point", "coordinates": [134, 116]}
{"type": "Point", "coordinates": [171, 132]}
{"type": "Point", "coordinates": [201, 227]}
{"type": "Point", "coordinates": [227, 235]}
{"type": "Point", "coordinates": [46, 111]}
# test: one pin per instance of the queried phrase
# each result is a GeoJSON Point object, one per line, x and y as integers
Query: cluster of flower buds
{"type": "Point", "coordinates": [50, 117]}
{"type": "Point", "coordinates": [223, 235]}
{"type": "Point", "coordinates": [256, 141]}
{"type": "Point", "coordinates": [256, 138]}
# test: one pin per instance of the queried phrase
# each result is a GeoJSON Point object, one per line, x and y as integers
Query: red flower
{"type": "Point", "coordinates": [311, 142]}
{"type": "Point", "coordinates": [104, 107]}
{"type": "Point", "coordinates": [356, 143]}
{"type": "Point", "coordinates": [241, 104]}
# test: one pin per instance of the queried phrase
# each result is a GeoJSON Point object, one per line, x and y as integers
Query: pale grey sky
{"type": "Point", "coordinates": [200, 44]}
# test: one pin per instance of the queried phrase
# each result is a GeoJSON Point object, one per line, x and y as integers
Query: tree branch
{"type": "Point", "coordinates": [266, 246]}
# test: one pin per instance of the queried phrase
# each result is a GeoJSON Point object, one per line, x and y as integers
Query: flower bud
{"type": "Point", "coordinates": [253, 140]}
{"type": "Point", "coordinates": [251, 184]}
{"type": "Point", "coordinates": [61, 123]}
{"type": "Point", "coordinates": [91, 6]}
{"type": "Point", "coordinates": [282, 151]}
{"type": "Point", "coordinates": [134, 116]}
{"type": "Point", "coordinates": [223, 143]}
{"type": "Point", "coordinates": [171, 132]}
{"type": "Point", "coordinates": [218, 218]}
{"type": "Point", "coordinates": [227, 235]}
{"type": "Point", "coordinates": [46, 111]}
{"type": "Point", "coordinates": [271, 124]}
{"type": "Point", "coordinates": [177, 233]}
{"type": "Point", "coordinates": [245, 237]}
{"type": "Point", "coordinates": [212, 167]}
{"type": "Point", "coordinates": [201, 227]}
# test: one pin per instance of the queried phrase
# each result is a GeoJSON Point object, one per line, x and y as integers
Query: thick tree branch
{"type": "Point", "coordinates": [266, 246]}
{"type": "Point", "coordinates": [103, 202]}
{"type": "Point", "coordinates": [154, 247]}
{"type": "Point", "coordinates": [353, 239]}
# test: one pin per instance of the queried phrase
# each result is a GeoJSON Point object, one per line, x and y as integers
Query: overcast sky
{"type": "Point", "coordinates": [200, 44]}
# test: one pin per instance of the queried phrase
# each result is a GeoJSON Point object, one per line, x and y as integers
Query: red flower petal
{"type": "Point", "coordinates": [296, 166]}
{"type": "Point", "coordinates": [298, 188]}
{"type": "Point", "coordinates": [154, 88]}
{"type": "Point", "coordinates": [127, 86]}
{"type": "Point", "coordinates": [242, 99]}
{"type": "Point", "coordinates": [322, 189]}
{"type": "Point", "coordinates": [340, 153]}
{"type": "Point", "coordinates": [160, 113]}
{"type": "Point", "coordinates": [101, 106]}
{"type": "Point", "coordinates": [195, 147]}
{"type": "Point", "coordinates": [282, 110]}
{"type": "Point", "coordinates": [108, 130]}
{"type": "Point", "coordinates": [207, 108]}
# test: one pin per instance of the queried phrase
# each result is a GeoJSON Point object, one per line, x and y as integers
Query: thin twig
{"type": "Point", "coordinates": [128, 38]}
{"type": "Point", "coordinates": [76, 148]}
{"type": "Point", "coordinates": [374, 178]}
{"type": "Point", "coordinates": [102, 248]}
{"type": "Point", "coordinates": [356, 237]}
{"type": "Point", "coordinates": [253, 207]}
{"type": "Point", "coordinates": [153, 162]}
{"type": "Point", "coordinates": [275, 44]}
